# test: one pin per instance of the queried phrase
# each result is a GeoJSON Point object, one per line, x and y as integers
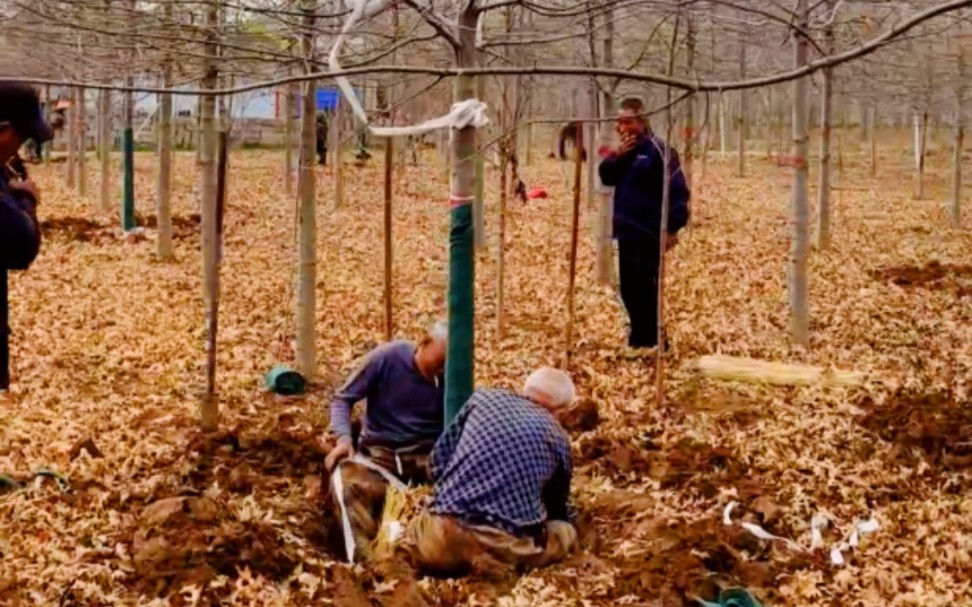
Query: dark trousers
{"type": "Point", "coordinates": [638, 265]}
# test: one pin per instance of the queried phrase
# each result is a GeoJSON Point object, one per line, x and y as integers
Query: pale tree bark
{"type": "Point", "coordinates": [104, 104]}
{"type": "Point", "coordinates": [82, 143]}
{"type": "Point", "coordinates": [72, 141]}
{"type": "Point", "coordinates": [479, 213]}
{"type": "Point", "coordinates": [605, 243]}
{"type": "Point", "coordinates": [959, 142]}
{"type": "Point", "coordinates": [741, 141]}
{"type": "Point", "coordinates": [208, 189]}
{"type": "Point", "coordinates": [307, 268]}
{"type": "Point", "coordinates": [799, 307]}
{"type": "Point", "coordinates": [690, 102]}
{"type": "Point", "coordinates": [874, 126]}
{"type": "Point", "coordinates": [826, 117]}
{"type": "Point", "coordinates": [389, 250]}
{"type": "Point", "coordinates": [337, 166]}
{"type": "Point", "coordinates": [921, 141]}
{"type": "Point", "coordinates": [163, 212]}
{"type": "Point", "coordinates": [289, 96]}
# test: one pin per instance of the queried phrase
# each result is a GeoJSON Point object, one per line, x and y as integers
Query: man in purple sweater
{"type": "Point", "coordinates": [403, 385]}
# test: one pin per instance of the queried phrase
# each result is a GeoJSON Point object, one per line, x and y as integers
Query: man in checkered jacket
{"type": "Point", "coordinates": [502, 473]}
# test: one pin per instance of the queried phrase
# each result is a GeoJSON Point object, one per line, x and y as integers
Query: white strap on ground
{"type": "Point", "coordinates": [338, 482]}
{"type": "Point", "coordinates": [471, 112]}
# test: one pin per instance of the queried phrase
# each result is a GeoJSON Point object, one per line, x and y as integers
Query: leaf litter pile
{"type": "Point", "coordinates": [108, 355]}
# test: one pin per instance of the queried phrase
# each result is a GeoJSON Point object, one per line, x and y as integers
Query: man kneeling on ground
{"type": "Point", "coordinates": [402, 383]}
{"type": "Point", "coordinates": [502, 473]}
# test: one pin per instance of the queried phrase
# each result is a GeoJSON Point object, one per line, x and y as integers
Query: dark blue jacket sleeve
{"type": "Point", "coordinates": [19, 232]}
{"type": "Point", "coordinates": [613, 167]}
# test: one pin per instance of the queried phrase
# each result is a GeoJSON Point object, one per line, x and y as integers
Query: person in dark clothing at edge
{"type": "Point", "coordinates": [321, 136]}
{"type": "Point", "coordinates": [21, 119]}
{"type": "Point", "coordinates": [404, 388]}
{"type": "Point", "coordinates": [636, 171]}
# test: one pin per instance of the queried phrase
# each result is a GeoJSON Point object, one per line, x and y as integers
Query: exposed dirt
{"type": "Point", "coordinates": [933, 427]}
{"type": "Point", "coordinates": [934, 275]}
{"type": "Point", "coordinates": [81, 229]}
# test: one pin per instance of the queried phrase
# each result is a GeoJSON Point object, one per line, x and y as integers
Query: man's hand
{"type": "Point", "coordinates": [341, 451]}
{"type": "Point", "coordinates": [628, 143]}
{"type": "Point", "coordinates": [26, 185]}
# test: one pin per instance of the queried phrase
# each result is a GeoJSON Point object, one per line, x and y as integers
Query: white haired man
{"type": "Point", "coordinates": [403, 385]}
{"type": "Point", "coordinates": [502, 472]}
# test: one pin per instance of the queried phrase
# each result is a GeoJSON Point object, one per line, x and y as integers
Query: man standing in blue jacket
{"type": "Point", "coordinates": [636, 170]}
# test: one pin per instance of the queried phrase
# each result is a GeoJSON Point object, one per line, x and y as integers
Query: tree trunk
{"type": "Point", "coordinates": [799, 308]}
{"type": "Point", "coordinates": [107, 143]}
{"type": "Point", "coordinates": [163, 209]}
{"type": "Point", "coordinates": [307, 273]}
{"type": "Point", "coordinates": [208, 191]}
{"type": "Point", "coordinates": [459, 359]}
{"type": "Point", "coordinates": [741, 141]}
{"type": "Point", "coordinates": [46, 151]}
{"type": "Point", "coordinates": [389, 251]}
{"type": "Point", "coordinates": [690, 102]}
{"type": "Point", "coordinates": [337, 166]}
{"type": "Point", "coordinates": [605, 222]}
{"type": "Point", "coordinates": [479, 214]}
{"type": "Point", "coordinates": [72, 141]}
{"type": "Point", "coordinates": [873, 134]}
{"type": "Point", "coordinates": [722, 125]}
{"type": "Point", "coordinates": [82, 150]}
{"type": "Point", "coordinates": [572, 268]}
{"type": "Point", "coordinates": [826, 116]}
{"type": "Point", "coordinates": [289, 95]}
{"type": "Point", "coordinates": [921, 139]}
{"type": "Point", "coordinates": [959, 144]}
{"type": "Point", "coordinates": [505, 152]}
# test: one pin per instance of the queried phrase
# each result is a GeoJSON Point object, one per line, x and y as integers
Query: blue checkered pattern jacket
{"type": "Point", "coordinates": [504, 462]}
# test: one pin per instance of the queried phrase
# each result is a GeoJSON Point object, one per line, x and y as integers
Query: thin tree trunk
{"type": "Point", "coordinates": [72, 141]}
{"type": "Point", "coordinates": [826, 117]}
{"type": "Point", "coordinates": [389, 251]}
{"type": "Point", "coordinates": [921, 140]}
{"type": "Point", "coordinates": [289, 95]}
{"type": "Point", "coordinates": [605, 242]}
{"type": "Point", "coordinates": [337, 128]}
{"type": "Point", "coordinates": [107, 143]}
{"type": "Point", "coordinates": [505, 152]}
{"type": "Point", "coordinates": [459, 358]}
{"type": "Point", "coordinates": [48, 105]}
{"type": "Point", "coordinates": [741, 141]}
{"type": "Point", "coordinates": [82, 150]}
{"type": "Point", "coordinates": [163, 209]}
{"type": "Point", "coordinates": [307, 272]}
{"type": "Point", "coordinates": [572, 271]}
{"type": "Point", "coordinates": [208, 189]}
{"type": "Point", "coordinates": [873, 134]}
{"type": "Point", "coordinates": [690, 102]}
{"type": "Point", "coordinates": [959, 144]}
{"type": "Point", "coordinates": [799, 308]}
{"type": "Point", "coordinates": [722, 125]}
{"type": "Point", "coordinates": [479, 214]}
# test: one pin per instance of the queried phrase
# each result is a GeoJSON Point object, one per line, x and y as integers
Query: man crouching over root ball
{"type": "Point", "coordinates": [402, 383]}
{"type": "Point", "coordinates": [502, 480]}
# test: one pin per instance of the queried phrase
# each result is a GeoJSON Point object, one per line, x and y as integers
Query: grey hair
{"type": "Point", "coordinates": [439, 331]}
{"type": "Point", "coordinates": [552, 383]}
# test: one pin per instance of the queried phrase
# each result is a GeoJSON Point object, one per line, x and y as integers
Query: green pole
{"type": "Point", "coordinates": [128, 168]}
{"type": "Point", "coordinates": [459, 354]}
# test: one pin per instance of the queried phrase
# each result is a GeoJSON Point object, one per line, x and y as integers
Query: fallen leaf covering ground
{"type": "Point", "coordinates": [108, 349]}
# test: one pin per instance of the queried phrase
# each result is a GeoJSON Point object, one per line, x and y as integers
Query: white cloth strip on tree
{"type": "Point", "coordinates": [470, 112]}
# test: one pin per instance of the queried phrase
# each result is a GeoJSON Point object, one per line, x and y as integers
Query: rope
{"type": "Point", "coordinates": [470, 112]}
